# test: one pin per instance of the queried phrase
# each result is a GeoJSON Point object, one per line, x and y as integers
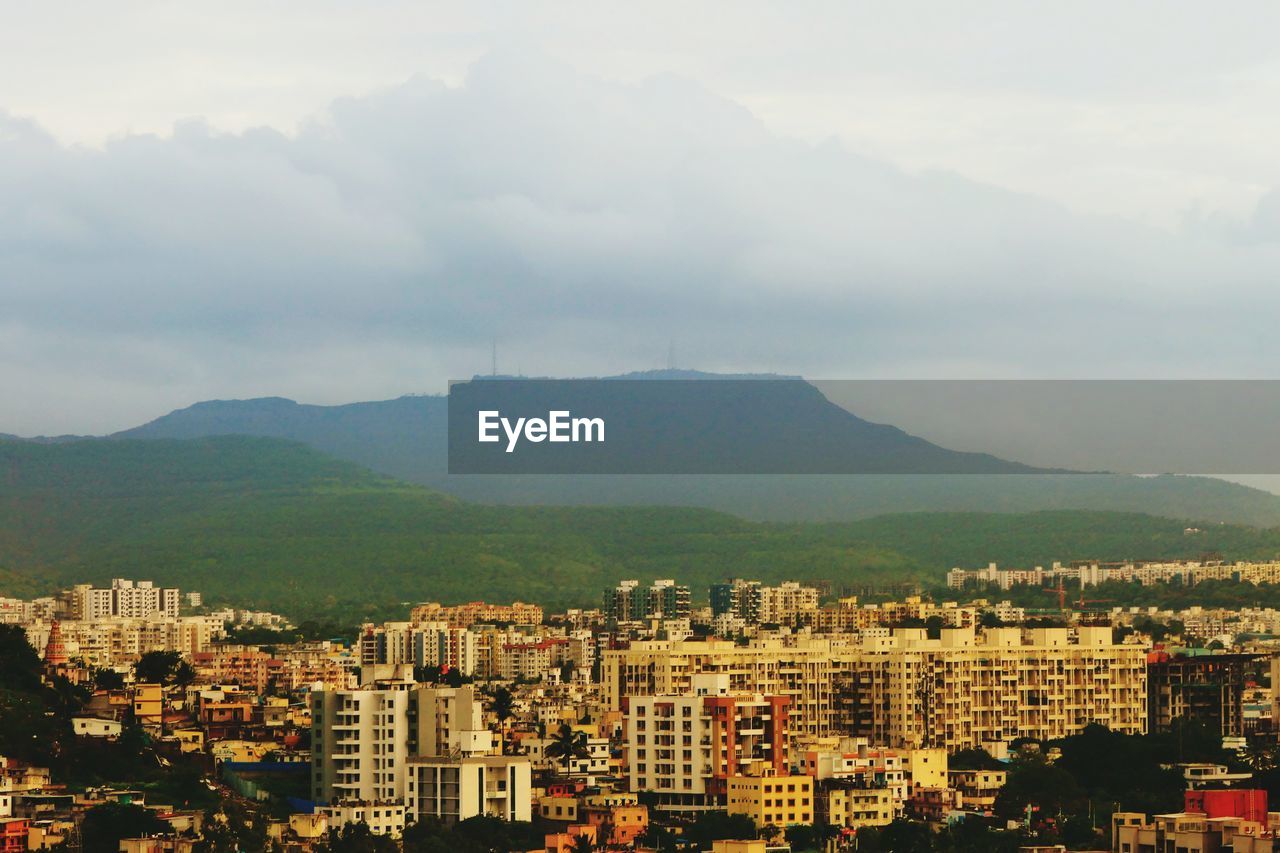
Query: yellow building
{"type": "Point", "coordinates": [978, 789]}
{"type": "Point", "coordinates": [802, 670]}
{"type": "Point", "coordinates": [148, 703]}
{"type": "Point", "coordinates": [926, 768]}
{"type": "Point", "coordinates": [855, 806]}
{"type": "Point", "coordinates": [779, 801]}
{"type": "Point", "coordinates": [993, 687]}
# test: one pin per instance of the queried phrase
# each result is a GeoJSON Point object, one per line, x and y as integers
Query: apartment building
{"type": "Point", "coordinates": [362, 739]}
{"type": "Point", "coordinates": [532, 659]}
{"type": "Point", "coordinates": [595, 761]}
{"type": "Point", "coordinates": [1086, 574]}
{"type": "Point", "coordinates": [854, 805]}
{"type": "Point", "coordinates": [631, 602]}
{"type": "Point", "coordinates": [855, 761]}
{"type": "Point", "coordinates": [976, 790]}
{"type": "Point", "coordinates": [786, 603]}
{"type": "Point", "coordinates": [779, 800]}
{"type": "Point", "coordinates": [477, 612]}
{"type": "Point", "coordinates": [454, 789]}
{"type": "Point", "coordinates": [429, 644]}
{"type": "Point", "coordinates": [685, 747]}
{"type": "Point", "coordinates": [382, 818]}
{"type": "Point", "coordinates": [802, 670]}
{"type": "Point", "coordinates": [965, 690]}
{"type": "Point", "coordinates": [1202, 687]}
{"type": "Point", "coordinates": [1133, 832]}
{"type": "Point", "coordinates": [112, 640]}
{"type": "Point", "coordinates": [904, 690]}
{"type": "Point", "coordinates": [126, 598]}
{"type": "Point", "coordinates": [755, 603]}
{"type": "Point", "coordinates": [736, 598]}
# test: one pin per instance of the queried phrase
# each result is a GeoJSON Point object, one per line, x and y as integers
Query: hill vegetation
{"type": "Point", "coordinates": [406, 438]}
{"type": "Point", "coordinates": [274, 524]}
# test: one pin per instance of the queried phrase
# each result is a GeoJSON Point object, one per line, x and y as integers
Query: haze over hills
{"type": "Point", "coordinates": [272, 523]}
{"type": "Point", "coordinates": [406, 438]}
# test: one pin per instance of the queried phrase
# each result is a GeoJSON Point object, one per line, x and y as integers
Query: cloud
{"type": "Point", "coordinates": [584, 224]}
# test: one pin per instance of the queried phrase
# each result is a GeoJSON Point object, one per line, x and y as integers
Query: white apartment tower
{"type": "Point", "coordinates": [361, 740]}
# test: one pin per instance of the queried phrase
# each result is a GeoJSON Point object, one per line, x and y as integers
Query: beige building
{"type": "Point", "coordinates": [855, 806]}
{"type": "Point", "coordinates": [454, 789]}
{"type": "Point", "coordinates": [1132, 832]}
{"type": "Point", "coordinates": [802, 671]}
{"type": "Point", "coordinates": [967, 690]}
{"type": "Point", "coordinates": [362, 739]}
{"type": "Point", "coordinates": [903, 690]}
{"type": "Point", "coordinates": [686, 748]}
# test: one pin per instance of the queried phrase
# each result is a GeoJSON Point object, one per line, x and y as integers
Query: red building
{"type": "Point", "coordinates": [1229, 802]}
{"type": "Point", "coordinates": [13, 834]}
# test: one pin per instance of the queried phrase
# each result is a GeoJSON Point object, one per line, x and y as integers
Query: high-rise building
{"type": "Point", "coordinates": [902, 689]}
{"type": "Point", "coordinates": [738, 598]}
{"type": "Point", "coordinates": [124, 598]}
{"type": "Point", "coordinates": [684, 748]}
{"type": "Point", "coordinates": [361, 739]}
{"type": "Point", "coordinates": [965, 690]}
{"type": "Point", "coordinates": [663, 599]}
{"type": "Point", "coordinates": [755, 603]}
{"type": "Point", "coordinates": [1204, 688]}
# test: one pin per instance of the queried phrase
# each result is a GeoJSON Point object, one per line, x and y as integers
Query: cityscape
{"type": "Point", "coordinates": [741, 426]}
{"type": "Point", "coordinates": [781, 715]}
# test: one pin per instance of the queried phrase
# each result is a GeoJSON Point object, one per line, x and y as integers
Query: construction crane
{"type": "Point", "coordinates": [1061, 591]}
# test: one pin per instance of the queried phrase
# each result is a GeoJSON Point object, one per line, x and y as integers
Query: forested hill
{"type": "Point", "coordinates": [406, 438]}
{"type": "Point", "coordinates": [271, 523]}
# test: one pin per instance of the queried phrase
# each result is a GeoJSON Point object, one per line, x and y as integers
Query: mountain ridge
{"type": "Point", "coordinates": [405, 437]}
{"type": "Point", "coordinates": [271, 523]}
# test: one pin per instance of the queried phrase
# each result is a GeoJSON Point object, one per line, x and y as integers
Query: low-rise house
{"type": "Point", "coordinates": [96, 727]}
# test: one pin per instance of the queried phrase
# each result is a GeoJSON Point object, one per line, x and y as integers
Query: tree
{"type": "Point", "coordinates": [502, 707]}
{"type": "Point", "coordinates": [1259, 755]}
{"type": "Point", "coordinates": [105, 825]}
{"type": "Point", "coordinates": [357, 838]}
{"type": "Point", "coordinates": [568, 744]}
{"type": "Point", "coordinates": [719, 826]}
{"type": "Point", "coordinates": [901, 836]}
{"type": "Point", "coordinates": [107, 679]}
{"type": "Point", "coordinates": [27, 731]}
{"type": "Point", "coordinates": [974, 759]}
{"type": "Point", "coordinates": [583, 844]}
{"type": "Point", "coordinates": [990, 620]}
{"type": "Point", "coordinates": [163, 668]}
{"type": "Point", "coordinates": [20, 666]}
{"type": "Point", "coordinates": [1048, 788]}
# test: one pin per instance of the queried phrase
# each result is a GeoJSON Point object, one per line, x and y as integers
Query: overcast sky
{"type": "Point", "coordinates": [342, 201]}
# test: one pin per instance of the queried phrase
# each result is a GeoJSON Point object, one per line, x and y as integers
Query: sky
{"type": "Point", "coordinates": [336, 201]}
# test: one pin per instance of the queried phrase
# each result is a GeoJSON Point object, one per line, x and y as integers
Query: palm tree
{"type": "Point", "coordinates": [1259, 756]}
{"type": "Point", "coordinates": [582, 844]}
{"type": "Point", "coordinates": [568, 744]}
{"type": "Point", "coordinates": [502, 708]}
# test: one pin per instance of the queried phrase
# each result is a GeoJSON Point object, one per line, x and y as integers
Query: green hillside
{"type": "Point", "coordinates": [273, 524]}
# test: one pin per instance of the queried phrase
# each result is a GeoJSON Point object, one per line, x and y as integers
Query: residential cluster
{"type": "Point", "coordinates": [609, 727]}
{"type": "Point", "coordinates": [1147, 573]}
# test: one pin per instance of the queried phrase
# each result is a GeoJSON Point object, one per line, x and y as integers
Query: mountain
{"type": "Point", "coordinates": [406, 438]}
{"type": "Point", "coordinates": [274, 524]}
